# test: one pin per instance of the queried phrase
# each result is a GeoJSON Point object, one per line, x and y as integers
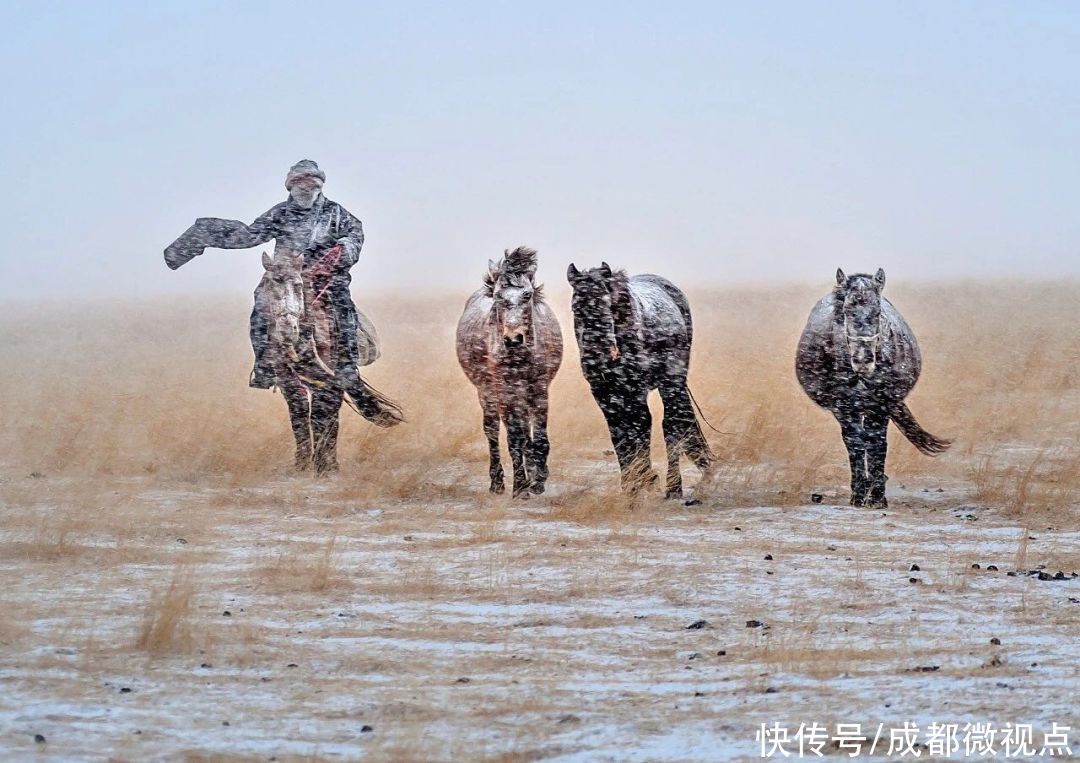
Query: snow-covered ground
{"type": "Point", "coordinates": [457, 629]}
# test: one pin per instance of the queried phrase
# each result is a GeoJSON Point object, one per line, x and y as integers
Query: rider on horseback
{"type": "Point", "coordinates": [330, 238]}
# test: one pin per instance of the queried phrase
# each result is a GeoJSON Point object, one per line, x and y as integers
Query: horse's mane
{"type": "Point", "coordinates": [520, 262]}
{"type": "Point", "coordinates": [622, 305]}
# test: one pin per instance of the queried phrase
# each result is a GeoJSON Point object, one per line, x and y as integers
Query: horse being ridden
{"type": "Point", "coordinates": [858, 358]}
{"type": "Point", "coordinates": [634, 334]}
{"type": "Point", "coordinates": [302, 353]}
{"type": "Point", "coordinates": [510, 347]}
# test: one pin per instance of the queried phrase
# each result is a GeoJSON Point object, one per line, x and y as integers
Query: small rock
{"type": "Point", "coordinates": [408, 538]}
{"type": "Point", "coordinates": [738, 529]}
{"type": "Point", "coordinates": [463, 680]}
{"type": "Point", "coordinates": [976, 566]}
{"type": "Point", "coordinates": [694, 656]}
{"type": "Point", "coordinates": [995, 641]}
{"type": "Point", "coordinates": [37, 476]}
{"type": "Point", "coordinates": [39, 738]}
{"type": "Point", "coordinates": [697, 625]}
{"type": "Point", "coordinates": [913, 580]}
{"type": "Point", "coordinates": [699, 694]}
{"type": "Point", "coordinates": [226, 613]}
{"type": "Point", "coordinates": [924, 669]}
{"type": "Point", "coordinates": [1044, 576]}
{"type": "Point", "coordinates": [292, 665]}
{"type": "Point", "coordinates": [816, 498]}
{"type": "Point", "coordinates": [771, 690]}
{"type": "Point", "coordinates": [206, 665]}
{"type": "Point", "coordinates": [722, 653]}
{"type": "Point", "coordinates": [365, 729]}
{"type": "Point", "coordinates": [125, 690]}
{"type": "Point", "coordinates": [692, 502]}
{"type": "Point", "coordinates": [182, 541]}
{"type": "Point", "coordinates": [568, 718]}
{"type": "Point", "coordinates": [993, 662]}
{"type": "Point", "coordinates": [914, 568]}
{"type": "Point", "coordinates": [1011, 574]}
{"type": "Point", "coordinates": [754, 624]}
{"type": "Point", "coordinates": [1059, 576]}
{"type": "Point", "coordinates": [1074, 600]}
{"type": "Point", "coordinates": [768, 557]}
{"type": "Point", "coordinates": [225, 723]}
{"type": "Point", "coordinates": [830, 548]}
{"type": "Point", "coordinates": [991, 568]}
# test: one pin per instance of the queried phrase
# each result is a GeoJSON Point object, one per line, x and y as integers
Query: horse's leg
{"type": "Point", "coordinates": [675, 435]}
{"type": "Point", "coordinates": [639, 423]}
{"type": "Point", "coordinates": [540, 446]}
{"type": "Point", "coordinates": [851, 427]}
{"type": "Point", "coordinates": [325, 415]}
{"type": "Point", "coordinates": [517, 438]}
{"type": "Point", "coordinates": [490, 408]}
{"type": "Point", "coordinates": [877, 444]}
{"type": "Point", "coordinates": [296, 397]}
{"type": "Point", "coordinates": [611, 406]}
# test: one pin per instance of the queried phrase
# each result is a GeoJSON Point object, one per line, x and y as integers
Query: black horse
{"type": "Point", "coordinates": [858, 358]}
{"type": "Point", "coordinates": [634, 335]}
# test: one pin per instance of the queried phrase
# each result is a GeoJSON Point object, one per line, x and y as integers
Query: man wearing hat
{"type": "Point", "coordinates": [326, 233]}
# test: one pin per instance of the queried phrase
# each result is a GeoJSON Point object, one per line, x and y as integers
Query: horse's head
{"type": "Point", "coordinates": [859, 299]}
{"type": "Point", "coordinates": [594, 318]}
{"type": "Point", "coordinates": [515, 295]}
{"type": "Point", "coordinates": [281, 295]}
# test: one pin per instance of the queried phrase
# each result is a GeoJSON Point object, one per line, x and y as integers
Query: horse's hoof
{"type": "Point", "coordinates": [524, 494]}
{"type": "Point", "coordinates": [673, 495]}
{"type": "Point", "coordinates": [497, 488]}
{"type": "Point", "coordinates": [537, 488]}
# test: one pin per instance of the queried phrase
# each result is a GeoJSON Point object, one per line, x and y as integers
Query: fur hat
{"type": "Point", "coordinates": [304, 168]}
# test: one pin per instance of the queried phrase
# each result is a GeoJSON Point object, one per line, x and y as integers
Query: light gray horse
{"type": "Point", "coordinates": [858, 359]}
{"type": "Point", "coordinates": [302, 351]}
{"type": "Point", "coordinates": [510, 347]}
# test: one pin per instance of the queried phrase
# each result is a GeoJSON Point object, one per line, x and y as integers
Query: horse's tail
{"type": "Point", "coordinates": [919, 437]}
{"type": "Point", "coordinates": [697, 447]}
{"type": "Point", "coordinates": [374, 405]}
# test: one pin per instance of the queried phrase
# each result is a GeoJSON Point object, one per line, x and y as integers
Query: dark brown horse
{"type": "Point", "coordinates": [510, 347]}
{"type": "Point", "coordinates": [858, 359]}
{"type": "Point", "coordinates": [634, 334]}
{"type": "Point", "coordinates": [302, 350]}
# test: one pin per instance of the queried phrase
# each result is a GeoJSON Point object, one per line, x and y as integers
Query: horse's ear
{"type": "Point", "coordinates": [841, 279]}
{"type": "Point", "coordinates": [267, 262]}
{"type": "Point", "coordinates": [605, 269]}
{"type": "Point", "coordinates": [493, 269]}
{"type": "Point", "coordinates": [879, 278]}
{"type": "Point", "coordinates": [572, 273]}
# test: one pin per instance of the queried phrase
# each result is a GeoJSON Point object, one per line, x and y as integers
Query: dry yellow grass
{"type": "Point", "coordinates": [148, 389]}
{"type": "Point", "coordinates": [167, 625]}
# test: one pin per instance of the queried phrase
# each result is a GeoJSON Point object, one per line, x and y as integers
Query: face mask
{"type": "Point", "coordinates": [303, 197]}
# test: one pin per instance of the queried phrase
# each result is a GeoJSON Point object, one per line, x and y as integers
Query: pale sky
{"type": "Point", "coordinates": [709, 142]}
